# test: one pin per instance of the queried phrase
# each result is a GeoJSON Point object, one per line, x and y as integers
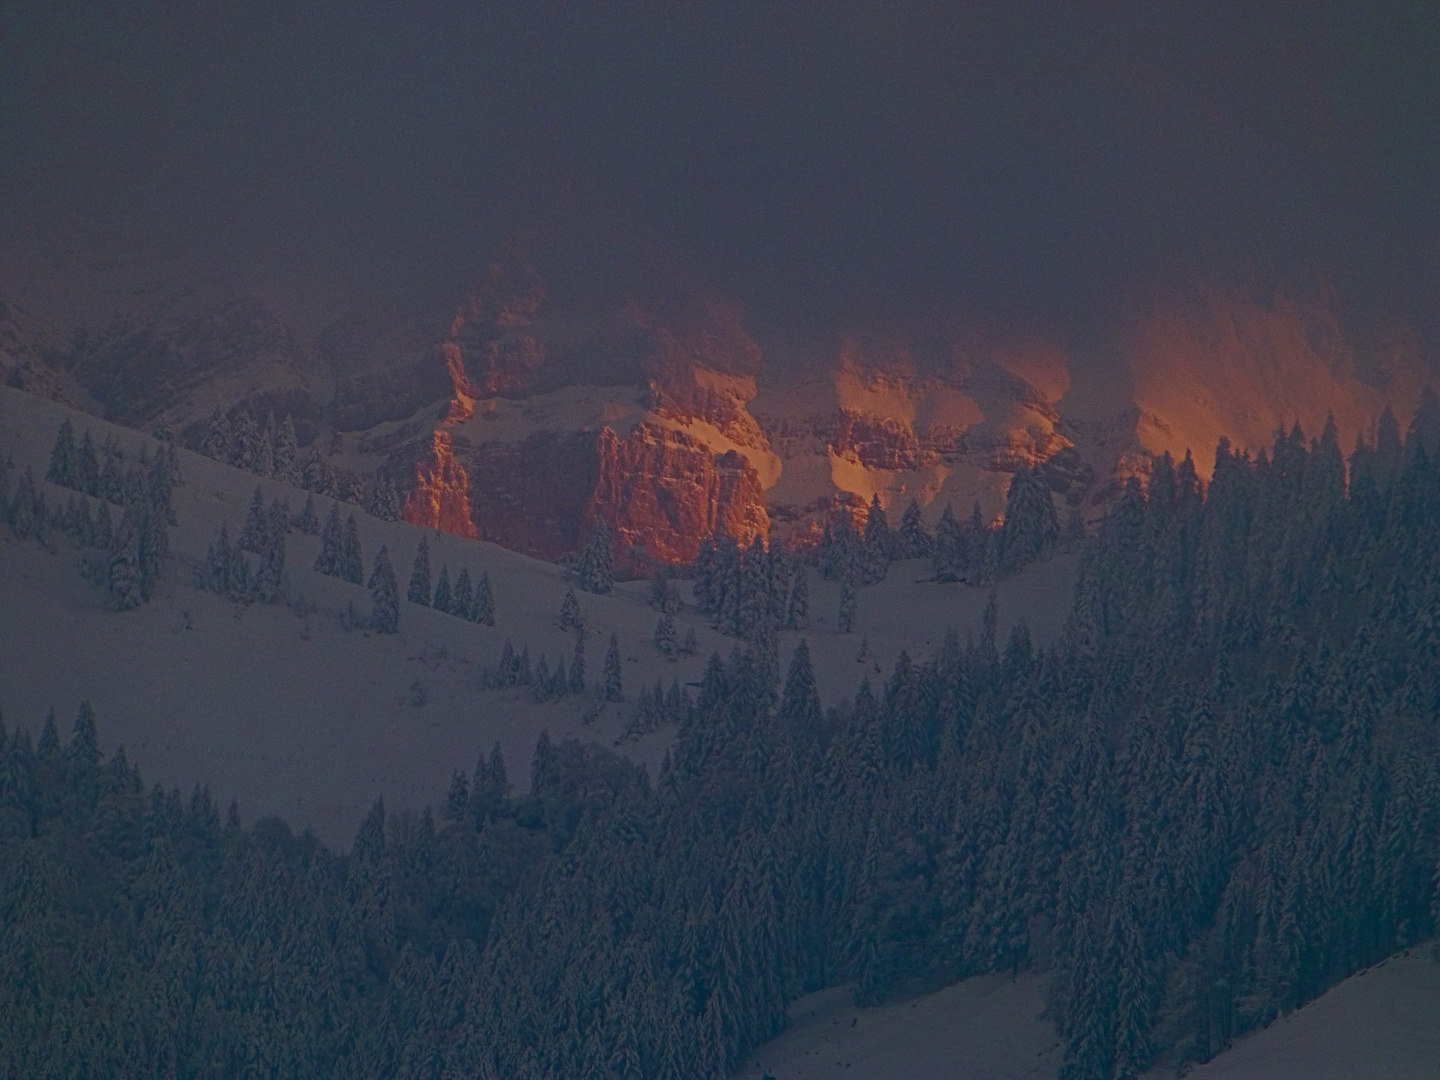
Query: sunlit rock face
{"type": "Point", "coordinates": [586, 377]}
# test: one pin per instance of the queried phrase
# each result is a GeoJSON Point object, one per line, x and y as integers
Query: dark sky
{"type": "Point", "coordinates": [1027, 154]}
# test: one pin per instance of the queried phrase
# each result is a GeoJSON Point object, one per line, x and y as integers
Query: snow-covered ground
{"type": "Point", "coordinates": [281, 707]}
{"type": "Point", "coordinates": [988, 1028]}
{"type": "Point", "coordinates": [1381, 1024]}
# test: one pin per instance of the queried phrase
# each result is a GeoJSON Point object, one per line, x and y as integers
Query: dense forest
{"type": "Point", "coordinates": [1215, 796]}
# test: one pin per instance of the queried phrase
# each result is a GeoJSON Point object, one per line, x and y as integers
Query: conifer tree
{"type": "Point", "coordinates": [797, 612]}
{"type": "Point", "coordinates": [246, 450]}
{"type": "Point", "coordinates": [419, 590]}
{"type": "Point", "coordinates": [879, 543]}
{"type": "Point", "coordinates": [577, 665]}
{"type": "Point", "coordinates": [483, 610]}
{"type": "Point", "coordinates": [597, 571]}
{"type": "Point", "coordinates": [384, 594]}
{"type": "Point", "coordinates": [87, 466]}
{"type": "Point", "coordinates": [330, 559]}
{"type": "Point", "coordinates": [271, 573]}
{"type": "Point", "coordinates": [103, 534]}
{"type": "Point", "coordinates": [442, 599]}
{"type": "Point", "coordinates": [309, 521]}
{"type": "Point", "coordinates": [462, 598]}
{"type": "Point", "coordinates": [287, 453]}
{"type": "Point", "coordinates": [913, 541]}
{"type": "Point", "coordinates": [318, 476]}
{"type": "Point", "coordinates": [112, 471]}
{"type": "Point", "coordinates": [662, 594]}
{"type": "Point", "coordinates": [62, 456]}
{"type": "Point", "coordinates": [265, 449]}
{"type": "Point", "coordinates": [571, 617]}
{"type": "Point", "coordinates": [123, 571]}
{"type": "Point", "coordinates": [665, 636]}
{"type": "Point", "coordinates": [25, 517]}
{"type": "Point", "coordinates": [613, 679]}
{"type": "Point", "coordinates": [846, 620]}
{"type": "Point", "coordinates": [352, 562]}
{"type": "Point", "coordinates": [218, 442]}
{"type": "Point", "coordinates": [253, 535]}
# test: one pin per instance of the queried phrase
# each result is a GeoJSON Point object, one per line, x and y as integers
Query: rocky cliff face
{"type": "Point", "coordinates": [591, 379]}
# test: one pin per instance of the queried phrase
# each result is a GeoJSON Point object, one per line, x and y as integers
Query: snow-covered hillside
{"type": "Point", "coordinates": [283, 708]}
{"type": "Point", "coordinates": [1380, 1023]}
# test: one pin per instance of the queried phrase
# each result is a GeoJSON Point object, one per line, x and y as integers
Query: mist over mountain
{"type": "Point", "coordinates": [1051, 392]}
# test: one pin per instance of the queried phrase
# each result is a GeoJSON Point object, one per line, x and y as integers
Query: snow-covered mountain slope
{"type": "Point", "coordinates": [283, 708]}
{"type": "Point", "coordinates": [584, 375]}
{"type": "Point", "coordinates": [1378, 1023]}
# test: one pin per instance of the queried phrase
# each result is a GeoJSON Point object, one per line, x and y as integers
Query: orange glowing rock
{"type": "Point", "coordinates": [441, 499]}
{"type": "Point", "coordinates": [665, 491]}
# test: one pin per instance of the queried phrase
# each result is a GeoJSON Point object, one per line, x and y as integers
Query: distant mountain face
{"type": "Point", "coordinates": [586, 377]}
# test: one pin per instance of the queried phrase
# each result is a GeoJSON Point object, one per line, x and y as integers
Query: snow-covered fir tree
{"type": "Point", "coordinates": [797, 610]}
{"type": "Point", "coordinates": [462, 597]}
{"type": "Point", "coordinates": [913, 540]}
{"type": "Point", "coordinates": [665, 636]}
{"type": "Point", "coordinates": [287, 453]}
{"type": "Point", "coordinates": [62, 456]}
{"type": "Point", "coordinates": [331, 557]}
{"type": "Point", "coordinates": [252, 535]}
{"type": "Point", "coordinates": [384, 594]}
{"type": "Point", "coordinates": [419, 591]}
{"type": "Point", "coordinates": [308, 520]}
{"type": "Point", "coordinates": [352, 562]}
{"type": "Point", "coordinates": [571, 617]}
{"type": "Point", "coordinates": [218, 442]}
{"type": "Point", "coordinates": [441, 599]}
{"type": "Point", "coordinates": [483, 610]}
{"type": "Point", "coordinates": [596, 573]}
{"type": "Point", "coordinates": [846, 618]}
{"type": "Point", "coordinates": [614, 688]}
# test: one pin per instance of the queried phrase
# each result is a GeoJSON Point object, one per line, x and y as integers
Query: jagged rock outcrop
{"type": "Point", "coordinates": [664, 491]}
{"type": "Point", "coordinates": [587, 377]}
{"type": "Point", "coordinates": [441, 497]}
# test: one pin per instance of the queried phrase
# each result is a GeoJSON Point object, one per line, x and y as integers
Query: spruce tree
{"type": "Point", "coordinates": [597, 570]}
{"type": "Point", "coordinates": [287, 453]}
{"type": "Point", "coordinates": [87, 466]}
{"type": "Point", "coordinates": [218, 442]}
{"type": "Point", "coordinates": [253, 535]}
{"type": "Point", "coordinates": [913, 541]}
{"type": "Point", "coordinates": [797, 612]}
{"type": "Point", "coordinates": [665, 636]}
{"type": "Point", "coordinates": [613, 678]}
{"type": "Point", "coordinates": [571, 617]}
{"type": "Point", "coordinates": [577, 665]}
{"type": "Point", "coordinates": [846, 620]}
{"type": "Point", "coordinates": [272, 558]}
{"type": "Point", "coordinates": [462, 599]}
{"type": "Point", "coordinates": [330, 559]}
{"type": "Point", "coordinates": [352, 562]}
{"type": "Point", "coordinates": [309, 521]}
{"type": "Point", "coordinates": [318, 476]}
{"type": "Point", "coordinates": [483, 611]}
{"type": "Point", "coordinates": [265, 449]}
{"type": "Point", "coordinates": [246, 450]}
{"type": "Point", "coordinates": [879, 544]}
{"type": "Point", "coordinates": [442, 599]}
{"type": "Point", "coordinates": [419, 590]}
{"type": "Point", "coordinates": [62, 456]}
{"type": "Point", "coordinates": [25, 518]}
{"type": "Point", "coordinates": [384, 594]}
{"type": "Point", "coordinates": [123, 570]}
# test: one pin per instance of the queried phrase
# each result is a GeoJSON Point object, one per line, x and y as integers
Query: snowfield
{"type": "Point", "coordinates": [284, 709]}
